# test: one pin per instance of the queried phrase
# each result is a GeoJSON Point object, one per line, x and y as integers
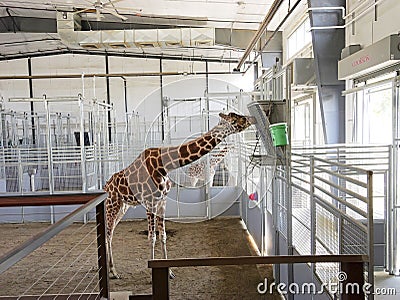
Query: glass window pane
{"type": "Point", "coordinates": [299, 38]}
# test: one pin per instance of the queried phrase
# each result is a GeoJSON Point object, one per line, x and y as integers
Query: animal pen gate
{"type": "Point", "coordinates": [42, 152]}
{"type": "Point", "coordinates": [321, 199]}
{"type": "Point", "coordinates": [324, 206]}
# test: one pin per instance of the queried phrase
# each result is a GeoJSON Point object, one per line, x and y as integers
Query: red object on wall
{"type": "Point", "coordinates": [253, 196]}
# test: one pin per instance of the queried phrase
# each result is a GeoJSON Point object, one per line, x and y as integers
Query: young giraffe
{"type": "Point", "coordinates": [146, 182]}
{"type": "Point", "coordinates": [198, 171]}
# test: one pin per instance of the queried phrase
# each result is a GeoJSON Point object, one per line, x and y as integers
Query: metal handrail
{"type": "Point", "coordinates": [352, 265]}
{"type": "Point", "coordinates": [18, 253]}
{"type": "Point", "coordinates": [15, 255]}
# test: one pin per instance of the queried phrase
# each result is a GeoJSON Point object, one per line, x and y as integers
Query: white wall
{"type": "Point", "coordinates": [143, 93]}
{"type": "Point", "coordinates": [366, 29]}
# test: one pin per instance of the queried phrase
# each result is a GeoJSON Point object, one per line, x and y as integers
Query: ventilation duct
{"type": "Point", "coordinates": [117, 39]}
{"type": "Point", "coordinates": [173, 37]}
{"type": "Point", "coordinates": [202, 36]}
{"type": "Point", "coordinates": [379, 55]}
{"type": "Point", "coordinates": [146, 38]}
{"type": "Point", "coordinates": [303, 71]}
{"type": "Point", "coordinates": [89, 39]}
{"type": "Point", "coordinates": [68, 26]}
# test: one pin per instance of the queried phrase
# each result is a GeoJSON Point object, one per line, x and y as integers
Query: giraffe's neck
{"type": "Point", "coordinates": [218, 157]}
{"type": "Point", "coordinates": [193, 150]}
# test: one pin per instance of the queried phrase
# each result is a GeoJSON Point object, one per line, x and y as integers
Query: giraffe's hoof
{"type": "Point", "coordinates": [171, 275]}
{"type": "Point", "coordinates": [115, 276]}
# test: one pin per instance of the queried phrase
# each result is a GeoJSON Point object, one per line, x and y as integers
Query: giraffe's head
{"type": "Point", "coordinates": [237, 122]}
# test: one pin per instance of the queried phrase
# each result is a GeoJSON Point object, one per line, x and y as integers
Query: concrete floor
{"type": "Point", "coordinates": [385, 281]}
{"type": "Point", "coordinates": [120, 295]}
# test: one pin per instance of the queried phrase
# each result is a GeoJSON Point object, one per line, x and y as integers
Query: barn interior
{"type": "Point", "coordinates": [301, 202]}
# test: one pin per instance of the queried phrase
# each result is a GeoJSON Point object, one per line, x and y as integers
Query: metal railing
{"type": "Point", "coordinates": [332, 190]}
{"type": "Point", "coordinates": [25, 170]}
{"type": "Point", "coordinates": [352, 265]}
{"type": "Point", "coordinates": [90, 202]}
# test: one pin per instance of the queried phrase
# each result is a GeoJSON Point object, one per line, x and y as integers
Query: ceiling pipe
{"type": "Point", "coordinates": [179, 57]}
{"type": "Point", "coordinates": [273, 34]}
{"type": "Point", "coordinates": [69, 76]}
{"type": "Point", "coordinates": [263, 27]}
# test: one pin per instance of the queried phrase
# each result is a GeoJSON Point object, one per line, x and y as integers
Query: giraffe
{"type": "Point", "coordinates": [145, 181]}
{"type": "Point", "coordinates": [198, 170]}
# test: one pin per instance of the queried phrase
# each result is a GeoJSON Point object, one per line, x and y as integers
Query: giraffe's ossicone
{"type": "Point", "coordinates": [145, 181]}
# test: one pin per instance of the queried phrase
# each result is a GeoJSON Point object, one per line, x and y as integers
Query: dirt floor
{"type": "Point", "coordinates": [67, 263]}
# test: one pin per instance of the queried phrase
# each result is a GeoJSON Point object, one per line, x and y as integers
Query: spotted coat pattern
{"type": "Point", "coordinates": [145, 181]}
{"type": "Point", "coordinates": [199, 171]}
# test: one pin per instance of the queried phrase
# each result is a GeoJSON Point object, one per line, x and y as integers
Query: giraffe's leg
{"type": "Point", "coordinates": [113, 272]}
{"type": "Point", "coordinates": [115, 210]}
{"type": "Point", "coordinates": [163, 234]}
{"type": "Point", "coordinates": [152, 231]}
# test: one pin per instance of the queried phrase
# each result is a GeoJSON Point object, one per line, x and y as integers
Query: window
{"type": "Point", "coordinates": [300, 38]}
{"type": "Point", "coordinates": [373, 107]}
{"type": "Point", "coordinates": [371, 123]}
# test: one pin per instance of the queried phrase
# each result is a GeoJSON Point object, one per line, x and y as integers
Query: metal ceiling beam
{"type": "Point", "coordinates": [89, 75]}
{"type": "Point", "coordinates": [263, 27]}
{"type": "Point", "coordinates": [116, 54]}
{"type": "Point", "coordinates": [270, 38]}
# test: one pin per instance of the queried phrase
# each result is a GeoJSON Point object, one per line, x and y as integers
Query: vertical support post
{"type": "Point", "coordinates": [288, 162]}
{"type": "Point", "coordinates": [20, 172]}
{"type": "Point", "coordinates": [82, 142]}
{"type": "Point", "coordinates": [31, 96]}
{"type": "Point", "coordinates": [263, 200]}
{"type": "Point", "coordinates": [389, 213]}
{"type": "Point", "coordinates": [160, 279]}
{"type": "Point", "coordinates": [108, 98]}
{"type": "Point", "coordinates": [342, 195]}
{"type": "Point", "coordinates": [125, 99]}
{"type": "Point", "coordinates": [395, 234]}
{"type": "Point", "coordinates": [313, 209]}
{"type": "Point", "coordinates": [162, 103]}
{"type": "Point", "coordinates": [207, 99]}
{"type": "Point", "coordinates": [102, 250]}
{"type": "Point", "coordinates": [275, 199]}
{"type": "Point", "coordinates": [49, 148]}
{"type": "Point", "coordinates": [387, 226]}
{"type": "Point", "coordinates": [355, 278]}
{"type": "Point", "coordinates": [370, 198]}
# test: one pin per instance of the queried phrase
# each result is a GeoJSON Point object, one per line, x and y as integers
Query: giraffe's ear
{"type": "Point", "coordinates": [223, 116]}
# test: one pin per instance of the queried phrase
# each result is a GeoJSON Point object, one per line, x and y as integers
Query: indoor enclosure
{"type": "Point", "coordinates": [306, 194]}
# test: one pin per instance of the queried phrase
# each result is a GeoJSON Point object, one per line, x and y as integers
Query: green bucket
{"type": "Point", "coordinates": [279, 134]}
